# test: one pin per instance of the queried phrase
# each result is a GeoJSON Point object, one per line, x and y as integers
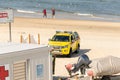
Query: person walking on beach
{"type": "Point", "coordinates": [53, 13]}
{"type": "Point", "coordinates": [44, 13]}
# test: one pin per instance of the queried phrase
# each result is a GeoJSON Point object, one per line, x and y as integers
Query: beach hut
{"type": "Point", "coordinates": [25, 62]}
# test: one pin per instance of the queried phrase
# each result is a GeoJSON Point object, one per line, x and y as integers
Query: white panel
{"type": "Point", "coordinates": [7, 67]}
{"type": "Point", "coordinates": [40, 68]}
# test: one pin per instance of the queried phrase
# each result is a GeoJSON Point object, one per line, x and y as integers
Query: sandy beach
{"type": "Point", "coordinates": [98, 39]}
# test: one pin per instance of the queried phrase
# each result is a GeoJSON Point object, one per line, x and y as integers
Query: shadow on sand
{"type": "Point", "coordinates": [82, 51]}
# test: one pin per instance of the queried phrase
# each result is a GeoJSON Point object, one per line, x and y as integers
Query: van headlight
{"type": "Point", "coordinates": [66, 46]}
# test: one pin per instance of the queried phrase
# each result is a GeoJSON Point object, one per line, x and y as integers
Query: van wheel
{"type": "Point", "coordinates": [70, 53]}
{"type": "Point", "coordinates": [78, 49]}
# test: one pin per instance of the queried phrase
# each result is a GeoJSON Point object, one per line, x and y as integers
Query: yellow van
{"type": "Point", "coordinates": [64, 43]}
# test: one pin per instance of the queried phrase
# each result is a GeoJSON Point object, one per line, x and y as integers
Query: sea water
{"type": "Point", "coordinates": [66, 9]}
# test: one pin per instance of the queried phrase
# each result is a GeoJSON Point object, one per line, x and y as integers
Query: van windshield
{"type": "Point", "coordinates": [60, 38]}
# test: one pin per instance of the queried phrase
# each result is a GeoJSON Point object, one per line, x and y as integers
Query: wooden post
{"type": "Point", "coordinates": [38, 38]}
{"type": "Point", "coordinates": [10, 36]}
{"type": "Point", "coordinates": [53, 63]}
{"type": "Point", "coordinates": [29, 39]}
{"type": "Point", "coordinates": [21, 38]}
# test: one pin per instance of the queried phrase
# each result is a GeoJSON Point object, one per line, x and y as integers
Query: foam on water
{"type": "Point", "coordinates": [85, 8]}
{"type": "Point", "coordinates": [23, 11]}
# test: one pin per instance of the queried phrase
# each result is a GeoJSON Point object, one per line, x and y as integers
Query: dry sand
{"type": "Point", "coordinates": [98, 39]}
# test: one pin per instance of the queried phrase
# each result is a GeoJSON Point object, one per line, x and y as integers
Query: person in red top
{"type": "Point", "coordinates": [53, 13]}
{"type": "Point", "coordinates": [44, 13]}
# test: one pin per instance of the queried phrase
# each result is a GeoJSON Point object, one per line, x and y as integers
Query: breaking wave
{"type": "Point", "coordinates": [25, 11]}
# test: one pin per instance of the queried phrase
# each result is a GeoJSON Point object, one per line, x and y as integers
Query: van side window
{"type": "Point", "coordinates": [71, 38]}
